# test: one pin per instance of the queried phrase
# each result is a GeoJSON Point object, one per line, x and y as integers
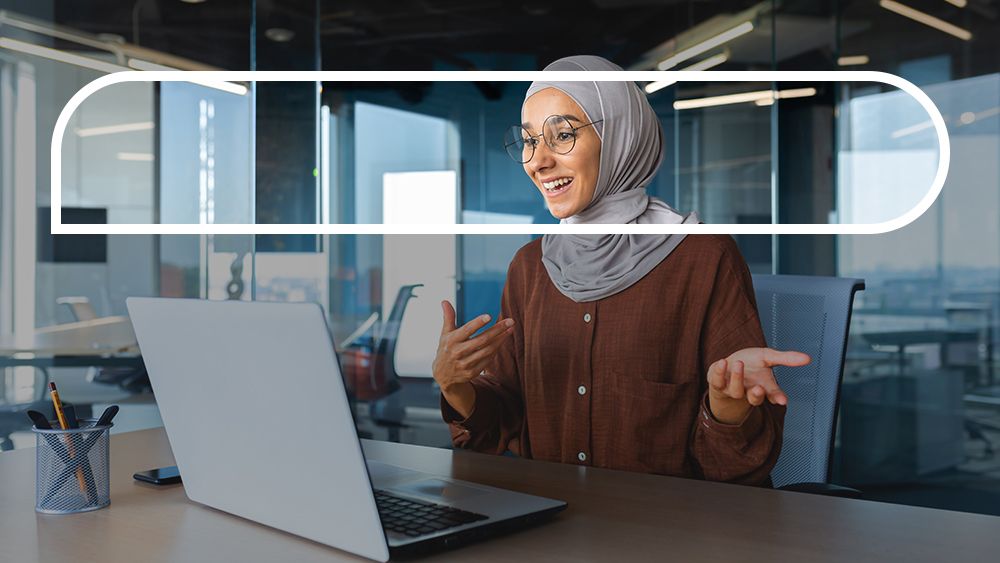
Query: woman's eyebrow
{"type": "Point", "coordinates": [567, 117]}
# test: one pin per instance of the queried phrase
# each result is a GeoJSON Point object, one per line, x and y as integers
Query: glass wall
{"type": "Point", "coordinates": [920, 415]}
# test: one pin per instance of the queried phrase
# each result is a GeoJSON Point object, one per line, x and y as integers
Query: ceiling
{"type": "Point", "coordinates": [516, 35]}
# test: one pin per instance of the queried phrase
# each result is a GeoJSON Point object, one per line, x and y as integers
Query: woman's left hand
{"type": "Point", "coordinates": [744, 380]}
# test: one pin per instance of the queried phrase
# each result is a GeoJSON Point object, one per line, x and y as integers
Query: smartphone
{"type": "Point", "coordinates": [160, 476]}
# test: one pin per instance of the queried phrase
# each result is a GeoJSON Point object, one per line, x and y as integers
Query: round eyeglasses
{"type": "Point", "coordinates": [558, 132]}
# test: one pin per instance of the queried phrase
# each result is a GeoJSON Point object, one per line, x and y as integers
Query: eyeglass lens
{"type": "Point", "coordinates": [557, 132]}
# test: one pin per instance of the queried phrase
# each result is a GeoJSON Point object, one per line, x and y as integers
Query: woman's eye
{"type": "Point", "coordinates": [565, 136]}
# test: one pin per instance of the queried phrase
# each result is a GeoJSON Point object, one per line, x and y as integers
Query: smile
{"type": "Point", "coordinates": [557, 186]}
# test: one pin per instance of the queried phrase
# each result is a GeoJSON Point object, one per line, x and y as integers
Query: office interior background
{"type": "Point", "coordinates": [920, 408]}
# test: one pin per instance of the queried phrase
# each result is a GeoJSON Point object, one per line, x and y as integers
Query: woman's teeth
{"type": "Point", "coordinates": [555, 184]}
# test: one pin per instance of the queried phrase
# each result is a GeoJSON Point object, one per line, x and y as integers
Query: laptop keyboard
{"type": "Point", "coordinates": [415, 518]}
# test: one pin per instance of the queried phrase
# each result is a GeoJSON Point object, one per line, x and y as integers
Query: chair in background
{"type": "Point", "coordinates": [132, 379]}
{"type": "Point", "coordinates": [79, 307]}
{"type": "Point", "coordinates": [388, 410]}
{"type": "Point", "coordinates": [13, 416]}
{"type": "Point", "coordinates": [810, 314]}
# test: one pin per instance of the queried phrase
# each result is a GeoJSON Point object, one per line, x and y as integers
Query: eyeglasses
{"type": "Point", "coordinates": [558, 132]}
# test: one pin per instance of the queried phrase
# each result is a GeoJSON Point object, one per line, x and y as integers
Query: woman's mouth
{"type": "Point", "coordinates": [557, 186]}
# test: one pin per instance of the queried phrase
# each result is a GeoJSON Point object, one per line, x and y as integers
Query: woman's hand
{"type": "Point", "coordinates": [744, 380]}
{"type": "Point", "coordinates": [461, 357]}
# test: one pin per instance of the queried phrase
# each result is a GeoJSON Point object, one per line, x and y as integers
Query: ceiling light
{"type": "Point", "coordinates": [853, 60]}
{"type": "Point", "coordinates": [906, 131]}
{"type": "Point", "coordinates": [959, 3]}
{"type": "Point", "coordinates": [112, 129]}
{"type": "Point", "coordinates": [279, 34]}
{"type": "Point", "coordinates": [193, 1]}
{"type": "Point", "coordinates": [926, 19]}
{"type": "Point", "coordinates": [136, 156]}
{"type": "Point", "coordinates": [706, 64]}
{"type": "Point", "coordinates": [765, 97]}
{"type": "Point", "coordinates": [707, 45]}
{"type": "Point", "coordinates": [231, 87]}
{"type": "Point", "coordinates": [57, 55]}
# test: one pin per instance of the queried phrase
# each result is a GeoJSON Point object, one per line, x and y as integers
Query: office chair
{"type": "Point", "coordinates": [810, 314]}
{"type": "Point", "coordinates": [388, 411]}
{"type": "Point", "coordinates": [132, 379]}
{"type": "Point", "coordinates": [79, 307]}
{"type": "Point", "coordinates": [13, 416]}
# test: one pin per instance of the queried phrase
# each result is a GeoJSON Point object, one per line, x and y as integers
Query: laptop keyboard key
{"type": "Point", "coordinates": [415, 518]}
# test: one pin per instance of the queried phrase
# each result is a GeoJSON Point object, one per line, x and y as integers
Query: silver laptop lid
{"type": "Point", "coordinates": [255, 409]}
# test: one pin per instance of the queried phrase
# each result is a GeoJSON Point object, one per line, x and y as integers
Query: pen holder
{"type": "Point", "coordinates": [72, 469]}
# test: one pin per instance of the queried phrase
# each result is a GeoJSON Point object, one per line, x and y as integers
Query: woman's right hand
{"type": "Point", "coordinates": [461, 357]}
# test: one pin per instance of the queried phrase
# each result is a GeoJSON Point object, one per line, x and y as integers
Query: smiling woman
{"type": "Point", "coordinates": [637, 352]}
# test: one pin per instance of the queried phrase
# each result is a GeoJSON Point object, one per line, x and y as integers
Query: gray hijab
{"type": "Point", "coordinates": [592, 267]}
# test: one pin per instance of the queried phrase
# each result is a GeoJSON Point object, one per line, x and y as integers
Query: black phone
{"type": "Point", "coordinates": [159, 476]}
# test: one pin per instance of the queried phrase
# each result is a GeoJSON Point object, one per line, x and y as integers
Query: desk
{"type": "Point", "coordinates": [103, 342]}
{"type": "Point", "coordinates": [612, 515]}
{"type": "Point", "coordinates": [903, 338]}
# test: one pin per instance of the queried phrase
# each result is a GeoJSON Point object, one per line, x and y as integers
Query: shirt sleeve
{"type": "Point", "coordinates": [497, 417]}
{"type": "Point", "coordinates": [747, 451]}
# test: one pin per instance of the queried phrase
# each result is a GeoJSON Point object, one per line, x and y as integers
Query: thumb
{"type": "Point", "coordinates": [449, 317]}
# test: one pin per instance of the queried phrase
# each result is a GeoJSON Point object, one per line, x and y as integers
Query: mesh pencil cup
{"type": "Point", "coordinates": [72, 468]}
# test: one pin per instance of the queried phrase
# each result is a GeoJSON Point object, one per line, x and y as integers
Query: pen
{"type": "Point", "coordinates": [64, 424]}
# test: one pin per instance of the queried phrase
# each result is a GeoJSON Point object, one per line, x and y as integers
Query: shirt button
{"type": "Point", "coordinates": [581, 456]}
{"type": "Point", "coordinates": [581, 390]}
{"type": "Point", "coordinates": [586, 318]}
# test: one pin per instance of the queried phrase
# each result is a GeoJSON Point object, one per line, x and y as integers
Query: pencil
{"type": "Point", "coordinates": [64, 424]}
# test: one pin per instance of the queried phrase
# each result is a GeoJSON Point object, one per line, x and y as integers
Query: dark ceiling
{"type": "Point", "coordinates": [394, 34]}
{"type": "Point", "coordinates": [517, 35]}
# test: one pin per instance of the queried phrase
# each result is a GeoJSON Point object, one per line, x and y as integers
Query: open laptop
{"type": "Point", "coordinates": [258, 419]}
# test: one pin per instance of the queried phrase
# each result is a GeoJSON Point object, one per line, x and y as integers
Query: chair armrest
{"type": "Point", "coordinates": [826, 489]}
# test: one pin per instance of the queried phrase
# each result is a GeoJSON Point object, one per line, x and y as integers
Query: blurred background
{"type": "Point", "coordinates": [920, 405]}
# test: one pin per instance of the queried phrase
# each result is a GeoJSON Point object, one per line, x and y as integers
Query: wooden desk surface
{"type": "Point", "coordinates": [612, 515]}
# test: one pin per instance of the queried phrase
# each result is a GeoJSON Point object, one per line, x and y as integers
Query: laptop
{"type": "Point", "coordinates": [254, 406]}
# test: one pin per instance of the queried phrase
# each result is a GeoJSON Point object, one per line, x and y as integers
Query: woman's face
{"type": "Point", "coordinates": [566, 181]}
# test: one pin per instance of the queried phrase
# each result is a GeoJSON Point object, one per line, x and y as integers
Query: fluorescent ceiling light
{"type": "Point", "coordinates": [57, 55]}
{"type": "Point", "coordinates": [926, 19]}
{"type": "Point", "coordinates": [232, 88]}
{"type": "Point", "coordinates": [706, 64]}
{"type": "Point", "coordinates": [906, 131]}
{"type": "Point", "coordinates": [765, 96]}
{"type": "Point", "coordinates": [959, 3]}
{"type": "Point", "coordinates": [853, 60]}
{"type": "Point", "coordinates": [707, 45]}
{"type": "Point", "coordinates": [136, 156]}
{"type": "Point", "coordinates": [112, 129]}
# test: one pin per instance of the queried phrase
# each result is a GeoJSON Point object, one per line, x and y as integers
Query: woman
{"type": "Point", "coordinates": [635, 352]}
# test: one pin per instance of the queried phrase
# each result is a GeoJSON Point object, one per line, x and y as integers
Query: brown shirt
{"type": "Point", "coordinates": [621, 382]}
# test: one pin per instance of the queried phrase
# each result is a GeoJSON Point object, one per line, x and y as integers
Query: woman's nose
{"type": "Point", "coordinates": [543, 158]}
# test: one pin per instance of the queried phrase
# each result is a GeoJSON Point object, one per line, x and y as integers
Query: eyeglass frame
{"type": "Point", "coordinates": [542, 135]}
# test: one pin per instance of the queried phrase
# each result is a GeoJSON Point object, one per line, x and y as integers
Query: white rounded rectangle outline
{"type": "Point", "coordinates": [58, 228]}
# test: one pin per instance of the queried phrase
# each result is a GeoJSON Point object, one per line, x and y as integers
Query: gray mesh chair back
{"type": "Point", "coordinates": [810, 314]}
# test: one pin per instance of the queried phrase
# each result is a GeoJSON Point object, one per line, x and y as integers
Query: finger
{"type": "Point", "coordinates": [777, 397]}
{"type": "Point", "coordinates": [765, 379]}
{"type": "Point", "coordinates": [484, 339]}
{"type": "Point", "coordinates": [791, 359]}
{"type": "Point", "coordinates": [735, 388]}
{"type": "Point", "coordinates": [756, 395]}
{"type": "Point", "coordinates": [717, 375]}
{"type": "Point", "coordinates": [482, 363]}
{"type": "Point", "coordinates": [448, 312]}
{"type": "Point", "coordinates": [468, 329]}
{"type": "Point", "coordinates": [488, 351]}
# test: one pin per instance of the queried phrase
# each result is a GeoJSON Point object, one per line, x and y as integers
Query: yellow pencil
{"type": "Point", "coordinates": [64, 424]}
